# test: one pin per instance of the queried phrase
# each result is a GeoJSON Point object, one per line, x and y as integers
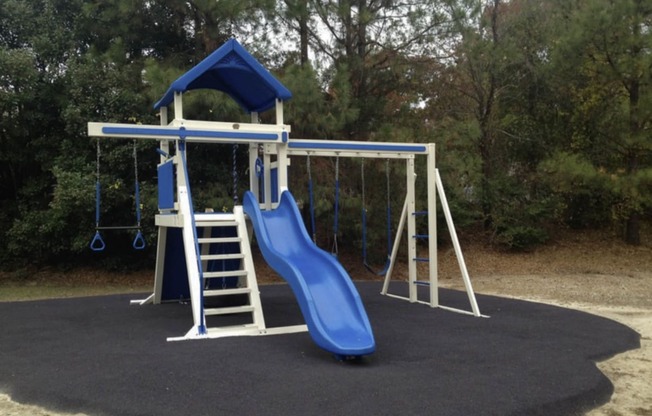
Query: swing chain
{"type": "Point", "coordinates": [135, 162]}
{"type": "Point", "coordinates": [97, 183]}
{"type": "Point", "coordinates": [334, 249]}
{"type": "Point", "coordinates": [235, 174]}
{"type": "Point", "coordinates": [311, 200]}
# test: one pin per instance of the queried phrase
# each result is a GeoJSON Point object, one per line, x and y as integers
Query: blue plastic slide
{"type": "Point", "coordinates": [330, 303]}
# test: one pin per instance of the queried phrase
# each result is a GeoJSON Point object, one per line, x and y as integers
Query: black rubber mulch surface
{"type": "Point", "coordinates": [103, 357]}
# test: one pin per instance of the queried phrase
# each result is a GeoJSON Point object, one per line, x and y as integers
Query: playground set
{"type": "Point", "coordinates": [207, 256]}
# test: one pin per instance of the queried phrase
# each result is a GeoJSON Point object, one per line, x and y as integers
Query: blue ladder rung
{"type": "Point", "coordinates": [422, 259]}
{"type": "Point", "coordinates": [415, 213]}
{"type": "Point", "coordinates": [421, 283]}
{"type": "Point", "coordinates": [421, 236]}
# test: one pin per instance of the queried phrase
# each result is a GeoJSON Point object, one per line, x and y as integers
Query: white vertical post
{"type": "Point", "coordinates": [253, 177]}
{"type": "Point", "coordinates": [164, 145]}
{"type": "Point", "coordinates": [159, 271]}
{"type": "Point", "coordinates": [412, 231]}
{"type": "Point", "coordinates": [432, 227]}
{"type": "Point", "coordinates": [267, 164]}
{"type": "Point", "coordinates": [178, 105]}
{"type": "Point", "coordinates": [279, 112]}
{"type": "Point", "coordinates": [161, 242]}
{"type": "Point", "coordinates": [282, 167]}
{"type": "Point", "coordinates": [253, 156]}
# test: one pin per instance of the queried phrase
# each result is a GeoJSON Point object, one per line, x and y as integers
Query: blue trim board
{"type": "Point", "coordinates": [182, 132]}
{"type": "Point", "coordinates": [369, 147]}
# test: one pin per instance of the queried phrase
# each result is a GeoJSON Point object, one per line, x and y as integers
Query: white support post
{"type": "Point", "coordinates": [267, 179]}
{"type": "Point", "coordinates": [279, 112]}
{"type": "Point", "coordinates": [164, 145]}
{"type": "Point", "coordinates": [178, 106]}
{"type": "Point", "coordinates": [456, 245]}
{"type": "Point", "coordinates": [432, 227]}
{"type": "Point", "coordinates": [412, 231]}
{"type": "Point", "coordinates": [282, 167]}
{"type": "Point", "coordinates": [253, 156]}
{"type": "Point", "coordinates": [253, 177]}
{"type": "Point", "coordinates": [192, 265]}
{"type": "Point", "coordinates": [159, 272]}
{"type": "Point", "coordinates": [397, 241]}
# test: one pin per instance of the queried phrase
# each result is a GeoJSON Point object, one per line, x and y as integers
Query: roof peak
{"type": "Point", "coordinates": [234, 71]}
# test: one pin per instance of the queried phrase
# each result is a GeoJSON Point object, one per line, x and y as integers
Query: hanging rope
{"type": "Point", "coordinates": [139, 241]}
{"type": "Point", "coordinates": [388, 222]}
{"type": "Point", "coordinates": [97, 243]}
{"type": "Point", "coordinates": [334, 249]}
{"type": "Point", "coordinates": [311, 199]}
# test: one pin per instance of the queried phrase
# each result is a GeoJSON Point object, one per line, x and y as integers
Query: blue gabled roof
{"type": "Point", "coordinates": [231, 69]}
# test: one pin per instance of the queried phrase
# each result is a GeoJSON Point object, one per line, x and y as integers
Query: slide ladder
{"type": "Point", "coordinates": [228, 270]}
{"type": "Point", "coordinates": [229, 285]}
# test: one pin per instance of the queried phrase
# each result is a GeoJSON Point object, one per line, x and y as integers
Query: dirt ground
{"type": "Point", "coordinates": [588, 271]}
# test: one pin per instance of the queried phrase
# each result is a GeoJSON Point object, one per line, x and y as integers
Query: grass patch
{"type": "Point", "coordinates": [49, 284]}
{"type": "Point", "coordinates": [21, 292]}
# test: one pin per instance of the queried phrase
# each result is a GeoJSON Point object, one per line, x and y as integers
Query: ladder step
{"type": "Point", "coordinates": [234, 256]}
{"type": "Point", "coordinates": [421, 259]}
{"type": "Point", "coordinates": [229, 310]}
{"type": "Point", "coordinates": [213, 223]}
{"type": "Point", "coordinates": [422, 236]}
{"type": "Point", "coordinates": [421, 283]}
{"type": "Point", "coordinates": [214, 217]}
{"type": "Point", "coordinates": [231, 273]}
{"type": "Point", "coordinates": [227, 292]}
{"type": "Point", "coordinates": [418, 213]}
{"type": "Point", "coordinates": [212, 240]}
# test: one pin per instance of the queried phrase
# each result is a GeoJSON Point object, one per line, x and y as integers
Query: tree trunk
{"type": "Point", "coordinates": [303, 31]}
{"type": "Point", "coordinates": [633, 229]}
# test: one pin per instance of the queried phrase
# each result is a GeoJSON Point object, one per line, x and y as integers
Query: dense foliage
{"type": "Point", "coordinates": [541, 110]}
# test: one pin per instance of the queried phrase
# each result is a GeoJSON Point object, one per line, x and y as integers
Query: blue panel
{"type": "Point", "coordinates": [274, 185]}
{"type": "Point", "coordinates": [370, 147]}
{"type": "Point", "coordinates": [274, 180]}
{"type": "Point", "coordinates": [166, 185]}
{"type": "Point", "coordinates": [231, 69]}
{"type": "Point", "coordinates": [329, 301]}
{"type": "Point", "coordinates": [175, 275]}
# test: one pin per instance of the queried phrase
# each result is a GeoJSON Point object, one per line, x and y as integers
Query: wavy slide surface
{"type": "Point", "coordinates": [330, 303]}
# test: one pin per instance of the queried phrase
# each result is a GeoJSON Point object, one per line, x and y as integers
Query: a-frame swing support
{"type": "Point", "coordinates": [408, 215]}
{"type": "Point", "coordinates": [408, 152]}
